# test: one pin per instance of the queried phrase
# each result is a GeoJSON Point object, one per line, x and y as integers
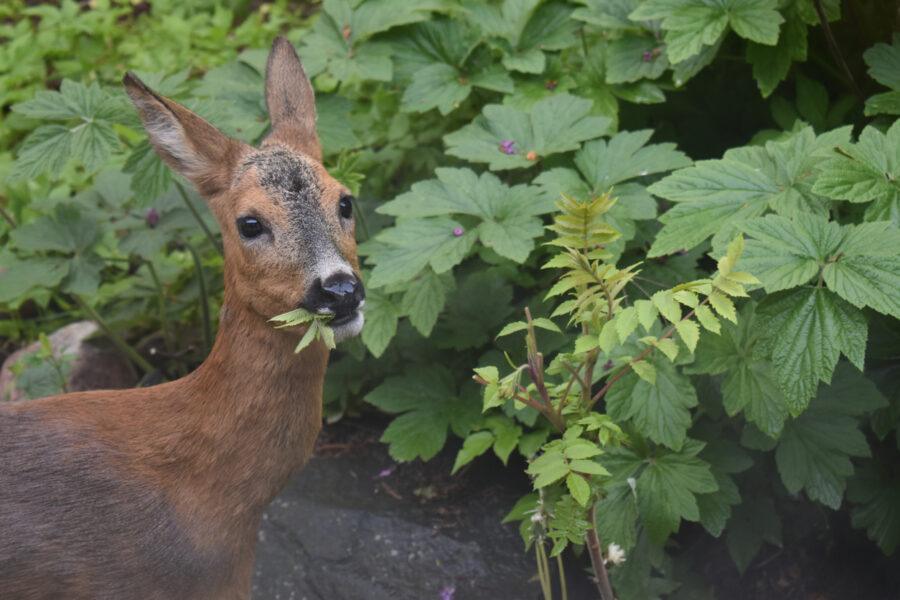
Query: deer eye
{"type": "Point", "coordinates": [250, 227]}
{"type": "Point", "coordinates": [345, 207]}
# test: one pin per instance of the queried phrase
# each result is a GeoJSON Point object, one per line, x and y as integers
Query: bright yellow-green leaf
{"type": "Point", "coordinates": [689, 332]}
{"type": "Point", "coordinates": [668, 347]}
{"type": "Point", "coordinates": [723, 305]}
{"type": "Point", "coordinates": [668, 307]}
{"type": "Point", "coordinates": [645, 371]}
{"type": "Point", "coordinates": [707, 319]}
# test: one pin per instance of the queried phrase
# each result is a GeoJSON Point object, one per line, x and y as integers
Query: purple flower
{"type": "Point", "coordinates": [152, 218]}
{"type": "Point", "coordinates": [508, 146]}
{"type": "Point", "coordinates": [447, 592]}
{"type": "Point", "coordinates": [458, 231]}
{"type": "Point", "coordinates": [385, 472]}
{"type": "Point", "coordinates": [647, 56]}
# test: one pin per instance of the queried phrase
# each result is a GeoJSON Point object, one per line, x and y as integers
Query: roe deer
{"type": "Point", "coordinates": [157, 493]}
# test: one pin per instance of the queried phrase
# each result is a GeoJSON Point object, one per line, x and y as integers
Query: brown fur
{"type": "Point", "coordinates": [157, 493]}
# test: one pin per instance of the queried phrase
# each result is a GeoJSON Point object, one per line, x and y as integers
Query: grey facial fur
{"type": "Point", "coordinates": [290, 180]}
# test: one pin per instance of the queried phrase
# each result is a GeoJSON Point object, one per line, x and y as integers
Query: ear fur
{"type": "Point", "coordinates": [186, 142]}
{"type": "Point", "coordinates": [291, 100]}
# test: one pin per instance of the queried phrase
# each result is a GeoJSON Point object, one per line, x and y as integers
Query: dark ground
{"type": "Point", "coordinates": [354, 525]}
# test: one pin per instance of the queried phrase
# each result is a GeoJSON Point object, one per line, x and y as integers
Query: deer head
{"type": "Point", "coordinates": [287, 225]}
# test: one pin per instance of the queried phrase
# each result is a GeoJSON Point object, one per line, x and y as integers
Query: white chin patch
{"type": "Point", "coordinates": [350, 328]}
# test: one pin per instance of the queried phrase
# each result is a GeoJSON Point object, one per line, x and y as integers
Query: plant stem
{"type": "Point", "coordinates": [563, 587]}
{"type": "Point", "coordinates": [121, 344]}
{"type": "Point", "coordinates": [595, 549]}
{"type": "Point", "coordinates": [836, 50]}
{"type": "Point", "coordinates": [543, 571]}
{"type": "Point", "coordinates": [7, 216]}
{"type": "Point", "coordinates": [209, 235]}
{"type": "Point", "coordinates": [624, 371]}
{"type": "Point", "coordinates": [204, 298]}
{"type": "Point", "coordinates": [161, 300]}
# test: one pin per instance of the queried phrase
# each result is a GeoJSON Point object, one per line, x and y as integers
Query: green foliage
{"type": "Point", "coordinates": [697, 327]}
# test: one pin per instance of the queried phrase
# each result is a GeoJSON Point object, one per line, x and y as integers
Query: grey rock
{"type": "Point", "coordinates": [343, 530]}
{"type": "Point", "coordinates": [95, 365]}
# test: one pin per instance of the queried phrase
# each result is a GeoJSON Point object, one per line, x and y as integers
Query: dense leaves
{"type": "Point", "coordinates": [695, 203]}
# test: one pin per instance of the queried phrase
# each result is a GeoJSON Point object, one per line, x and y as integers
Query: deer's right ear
{"type": "Point", "coordinates": [291, 100]}
{"type": "Point", "coordinates": [186, 142]}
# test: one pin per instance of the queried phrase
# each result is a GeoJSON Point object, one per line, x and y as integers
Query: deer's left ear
{"type": "Point", "coordinates": [186, 142]}
{"type": "Point", "coordinates": [291, 100]}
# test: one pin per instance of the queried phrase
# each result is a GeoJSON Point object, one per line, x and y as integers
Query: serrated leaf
{"type": "Point", "coordinates": [808, 329]}
{"type": "Point", "coordinates": [723, 305]}
{"type": "Point", "coordinates": [473, 446]}
{"type": "Point", "coordinates": [380, 326]}
{"type": "Point", "coordinates": [786, 253]}
{"type": "Point", "coordinates": [579, 488]}
{"type": "Point", "coordinates": [866, 171]}
{"type": "Point", "coordinates": [876, 496]}
{"type": "Point", "coordinates": [660, 411]}
{"type": "Point", "coordinates": [689, 332]}
{"type": "Point", "coordinates": [814, 450]}
{"type": "Point", "coordinates": [707, 319]}
{"type": "Point", "coordinates": [423, 301]}
{"type": "Point", "coordinates": [754, 521]}
{"type": "Point", "coordinates": [626, 322]}
{"type": "Point", "coordinates": [749, 384]}
{"type": "Point", "coordinates": [668, 347]}
{"type": "Point", "coordinates": [645, 371]}
{"type": "Point", "coordinates": [713, 197]}
{"type": "Point", "coordinates": [866, 271]}
{"type": "Point", "coordinates": [558, 123]}
{"type": "Point", "coordinates": [667, 490]}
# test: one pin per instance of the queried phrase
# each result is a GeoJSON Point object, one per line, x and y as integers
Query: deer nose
{"type": "Point", "coordinates": [340, 294]}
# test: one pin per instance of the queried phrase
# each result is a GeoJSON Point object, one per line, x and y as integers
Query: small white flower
{"type": "Point", "coordinates": [537, 518]}
{"type": "Point", "coordinates": [615, 554]}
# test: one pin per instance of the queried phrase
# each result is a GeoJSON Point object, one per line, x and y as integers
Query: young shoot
{"type": "Point", "coordinates": [318, 327]}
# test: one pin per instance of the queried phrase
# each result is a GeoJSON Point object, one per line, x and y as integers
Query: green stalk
{"type": "Point", "coordinates": [209, 235]}
{"type": "Point", "coordinates": [204, 298]}
{"type": "Point", "coordinates": [117, 340]}
{"type": "Point", "coordinates": [563, 587]}
{"type": "Point", "coordinates": [161, 301]}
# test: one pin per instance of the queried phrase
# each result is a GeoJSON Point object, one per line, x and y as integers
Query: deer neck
{"type": "Point", "coordinates": [254, 409]}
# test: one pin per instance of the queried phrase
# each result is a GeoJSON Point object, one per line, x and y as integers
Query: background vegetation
{"type": "Point", "coordinates": [460, 125]}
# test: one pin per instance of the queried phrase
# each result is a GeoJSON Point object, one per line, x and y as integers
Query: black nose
{"type": "Point", "coordinates": [339, 294]}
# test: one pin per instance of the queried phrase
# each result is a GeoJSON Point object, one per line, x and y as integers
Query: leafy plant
{"type": "Point", "coordinates": [486, 140]}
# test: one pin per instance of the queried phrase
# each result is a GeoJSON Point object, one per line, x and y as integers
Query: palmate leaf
{"type": "Point", "coordinates": [558, 123]}
{"type": "Point", "coordinates": [725, 458]}
{"type": "Point", "coordinates": [439, 60]}
{"type": "Point", "coordinates": [380, 326]}
{"type": "Point", "coordinates": [632, 58]}
{"type": "Point", "coordinates": [524, 29]}
{"type": "Point", "coordinates": [772, 63]}
{"type": "Point", "coordinates": [806, 331]}
{"type": "Point", "coordinates": [690, 25]}
{"type": "Point", "coordinates": [713, 197]}
{"type": "Point", "coordinates": [659, 411]}
{"type": "Point", "coordinates": [668, 484]}
{"type": "Point", "coordinates": [429, 404]}
{"type": "Point", "coordinates": [424, 300]}
{"type": "Point", "coordinates": [340, 39]}
{"type": "Point", "coordinates": [884, 66]}
{"type": "Point", "coordinates": [749, 381]}
{"type": "Point", "coordinates": [814, 449]}
{"type": "Point", "coordinates": [509, 223]}
{"type": "Point", "coordinates": [858, 262]}
{"type": "Point", "coordinates": [875, 495]}
{"type": "Point", "coordinates": [88, 113]}
{"type": "Point", "coordinates": [867, 171]}
{"type": "Point", "coordinates": [754, 522]}
{"type": "Point", "coordinates": [401, 252]}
